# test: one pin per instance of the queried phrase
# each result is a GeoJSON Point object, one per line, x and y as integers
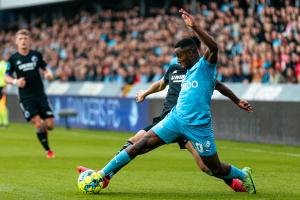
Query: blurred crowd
{"type": "Point", "coordinates": [257, 43]}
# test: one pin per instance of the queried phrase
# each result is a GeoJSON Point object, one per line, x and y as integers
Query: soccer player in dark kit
{"type": "Point", "coordinates": [26, 65]}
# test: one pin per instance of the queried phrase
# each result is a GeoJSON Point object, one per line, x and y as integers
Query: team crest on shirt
{"type": "Point", "coordinates": [34, 59]}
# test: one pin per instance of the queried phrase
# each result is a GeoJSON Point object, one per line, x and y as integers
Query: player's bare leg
{"type": "Point", "coordinates": [49, 123]}
{"type": "Point", "coordinates": [222, 170]}
{"type": "Point", "coordinates": [130, 142]}
{"type": "Point", "coordinates": [149, 142]}
{"type": "Point", "coordinates": [42, 135]}
{"type": "Point", "coordinates": [133, 139]}
{"type": "Point", "coordinates": [234, 184]}
{"type": "Point", "coordinates": [197, 158]}
{"type": "Point", "coordinates": [137, 136]}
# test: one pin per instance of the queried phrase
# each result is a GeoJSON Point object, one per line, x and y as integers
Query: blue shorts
{"type": "Point", "coordinates": [201, 136]}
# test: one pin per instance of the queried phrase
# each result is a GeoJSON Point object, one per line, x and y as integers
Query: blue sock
{"type": "Point", "coordinates": [235, 173]}
{"type": "Point", "coordinates": [119, 160]}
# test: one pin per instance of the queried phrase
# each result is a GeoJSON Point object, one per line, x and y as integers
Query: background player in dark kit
{"type": "Point", "coordinates": [25, 65]}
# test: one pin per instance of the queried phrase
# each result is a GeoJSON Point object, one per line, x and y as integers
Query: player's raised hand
{"type": "Point", "coordinates": [48, 75]}
{"type": "Point", "coordinates": [245, 105]}
{"type": "Point", "coordinates": [21, 82]}
{"type": "Point", "coordinates": [140, 96]}
{"type": "Point", "coordinates": [188, 19]}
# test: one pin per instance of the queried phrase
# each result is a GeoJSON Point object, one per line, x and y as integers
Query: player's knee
{"type": "Point", "coordinates": [38, 125]}
{"type": "Point", "coordinates": [50, 125]}
{"type": "Point", "coordinates": [137, 136]}
{"type": "Point", "coordinates": [138, 148]}
{"type": "Point", "coordinates": [132, 139]}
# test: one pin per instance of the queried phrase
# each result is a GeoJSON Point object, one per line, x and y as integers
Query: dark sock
{"type": "Point", "coordinates": [42, 136]}
{"type": "Point", "coordinates": [128, 143]}
{"type": "Point", "coordinates": [228, 181]}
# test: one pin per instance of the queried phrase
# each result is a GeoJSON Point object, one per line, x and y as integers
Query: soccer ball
{"type": "Point", "coordinates": [90, 182]}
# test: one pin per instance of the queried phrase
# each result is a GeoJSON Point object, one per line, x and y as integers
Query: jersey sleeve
{"type": "Point", "coordinates": [42, 64]}
{"type": "Point", "coordinates": [9, 67]}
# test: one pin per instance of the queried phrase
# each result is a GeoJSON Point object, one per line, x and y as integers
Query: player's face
{"type": "Point", "coordinates": [185, 57]}
{"type": "Point", "coordinates": [23, 41]}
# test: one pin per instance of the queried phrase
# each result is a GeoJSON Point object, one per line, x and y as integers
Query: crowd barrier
{"type": "Point", "coordinates": [275, 118]}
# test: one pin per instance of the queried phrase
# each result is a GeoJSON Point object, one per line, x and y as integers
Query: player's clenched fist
{"type": "Point", "coordinates": [21, 82]}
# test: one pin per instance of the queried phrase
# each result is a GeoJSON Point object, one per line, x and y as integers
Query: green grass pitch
{"type": "Point", "coordinates": [165, 173]}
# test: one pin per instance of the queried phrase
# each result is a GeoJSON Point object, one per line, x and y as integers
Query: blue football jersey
{"type": "Point", "coordinates": [194, 101]}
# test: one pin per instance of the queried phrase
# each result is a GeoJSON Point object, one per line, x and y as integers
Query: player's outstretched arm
{"type": "Point", "coordinates": [154, 88]}
{"type": "Point", "coordinates": [243, 104]}
{"type": "Point", "coordinates": [211, 54]}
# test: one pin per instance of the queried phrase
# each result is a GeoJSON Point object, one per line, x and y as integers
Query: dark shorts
{"type": "Point", "coordinates": [1, 89]}
{"type": "Point", "coordinates": [36, 106]}
{"type": "Point", "coordinates": [181, 140]}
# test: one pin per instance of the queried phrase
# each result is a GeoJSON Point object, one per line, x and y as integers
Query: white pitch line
{"type": "Point", "coordinates": [5, 188]}
{"type": "Point", "coordinates": [254, 150]}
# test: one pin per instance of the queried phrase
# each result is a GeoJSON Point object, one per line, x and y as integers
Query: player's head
{"type": "Point", "coordinates": [187, 53]}
{"type": "Point", "coordinates": [197, 41]}
{"type": "Point", "coordinates": [23, 39]}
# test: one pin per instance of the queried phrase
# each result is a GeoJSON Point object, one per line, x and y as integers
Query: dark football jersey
{"type": "Point", "coordinates": [28, 67]}
{"type": "Point", "coordinates": [173, 77]}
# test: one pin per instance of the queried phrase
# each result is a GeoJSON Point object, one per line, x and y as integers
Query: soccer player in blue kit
{"type": "Point", "coordinates": [191, 117]}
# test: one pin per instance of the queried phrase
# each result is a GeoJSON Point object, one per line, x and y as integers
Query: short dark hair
{"type": "Point", "coordinates": [186, 42]}
{"type": "Point", "coordinates": [196, 40]}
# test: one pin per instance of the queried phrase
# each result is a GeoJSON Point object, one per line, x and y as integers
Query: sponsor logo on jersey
{"type": "Point", "coordinates": [19, 62]}
{"type": "Point", "coordinates": [188, 85]}
{"type": "Point", "coordinates": [27, 66]}
{"type": "Point", "coordinates": [177, 78]}
{"type": "Point", "coordinates": [174, 72]}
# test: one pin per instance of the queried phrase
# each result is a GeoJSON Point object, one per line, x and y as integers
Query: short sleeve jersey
{"type": "Point", "coordinates": [28, 67]}
{"type": "Point", "coordinates": [194, 101]}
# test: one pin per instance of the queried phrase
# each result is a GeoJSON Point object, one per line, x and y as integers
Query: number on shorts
{"type": "Point", "coordinates": [199, 147]}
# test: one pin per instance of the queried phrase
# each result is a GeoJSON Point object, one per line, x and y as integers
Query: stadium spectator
{"type": "Point", "coordinates": [257, 42]}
